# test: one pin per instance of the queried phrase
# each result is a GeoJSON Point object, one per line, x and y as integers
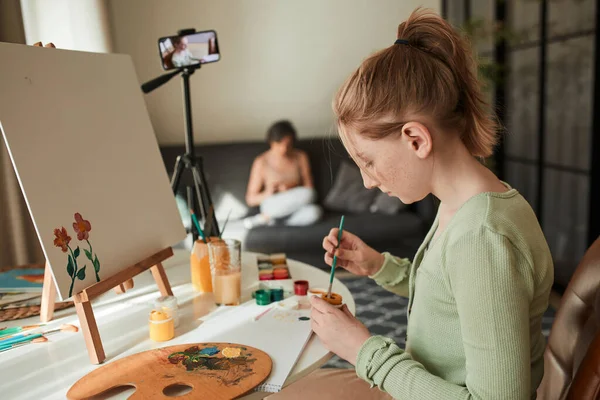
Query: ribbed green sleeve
{"type": "Point", "coordinates": [492, 287]}
{"type": "Point", "coordinates": [393, 275]}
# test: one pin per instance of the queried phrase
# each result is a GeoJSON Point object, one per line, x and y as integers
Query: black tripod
{"type": "Point", "coordinates": [199, 198]}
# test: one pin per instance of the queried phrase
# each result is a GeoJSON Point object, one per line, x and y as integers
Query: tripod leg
{"type": "Point", "coordinates": [205, 200]}
{"type": "Point", "coordinates": [192, 206]}
{"type": "Point", "coordinates": [200, 199]}
{"type": "Point", "coordinates": [177, 170]}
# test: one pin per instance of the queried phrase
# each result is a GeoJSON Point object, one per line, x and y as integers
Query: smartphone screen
{"type": "Point", "coordinates": [195, 48]}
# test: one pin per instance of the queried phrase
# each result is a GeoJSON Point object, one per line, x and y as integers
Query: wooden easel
{"type": "Point", "coordinates": [121, 282]}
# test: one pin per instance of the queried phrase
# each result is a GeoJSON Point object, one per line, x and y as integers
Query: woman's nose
{"type": "Point", "coordinates": [368, 181]}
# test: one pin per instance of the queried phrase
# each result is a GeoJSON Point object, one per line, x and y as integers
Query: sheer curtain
{"type": "Point", "coordinates": [69, 24]}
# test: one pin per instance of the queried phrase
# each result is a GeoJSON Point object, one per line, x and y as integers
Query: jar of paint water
{"type": "Point", "coordinates": [225, 258]}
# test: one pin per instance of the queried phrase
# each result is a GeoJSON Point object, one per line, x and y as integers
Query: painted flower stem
{"type": "Point", "coordinates": [94, 259]}
{"type": "Point", "coordinates": [74, 272]}
{"type": "Point", "coordinates": [91, 258]}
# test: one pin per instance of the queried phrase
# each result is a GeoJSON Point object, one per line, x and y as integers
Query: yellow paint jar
{"type": "Point", "coordinates": [162, 326]}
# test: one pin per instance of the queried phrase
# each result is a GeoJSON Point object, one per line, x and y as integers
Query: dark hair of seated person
{"type": "Point", "coordinates": [280, 130]}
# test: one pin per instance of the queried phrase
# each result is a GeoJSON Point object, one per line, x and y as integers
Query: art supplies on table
{"type": "Point", "coordinates": [16, 329]}
{"type": "Point", "coordinates": [161, 326]}
{"type": "Point", "coordinates": [26, 334]}
{"type": "Point", "coordinates": [200, 267]}
{"type": "Point", "coordinates": [169, 305]}
{"type": "Point", "coordinates": [225, 257]}
{"type": "Point", "coordinates": [21, 280]}
{"type": "Point", "coordinates": [274, 273]}
{"type": "Point", "coordinates": [16, 299]}
{"type": "Point", "coordinates": [301, 288]}
{"type": "Point", "coordinates": [214, 370]}
{"type": "Point", "coordinates": [267, 296]}
{"type": "Point", "coordinates": [281, 332]}
{"type": "Point", "coordinates": [273, 267]}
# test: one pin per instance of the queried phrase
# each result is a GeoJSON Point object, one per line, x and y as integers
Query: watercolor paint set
{"type": "Point", "coordinates": [273, 267]}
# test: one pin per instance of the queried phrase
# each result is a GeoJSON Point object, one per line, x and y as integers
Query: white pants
{"type": "Point", "coordinates": [296, 206]}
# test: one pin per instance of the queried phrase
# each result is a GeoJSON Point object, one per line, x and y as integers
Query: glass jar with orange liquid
{"type": "Point", "coordinates": [200, 266]}
{"type": "Point", "coordinates": [225, 258]}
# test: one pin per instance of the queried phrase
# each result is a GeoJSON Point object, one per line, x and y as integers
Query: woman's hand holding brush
{"type": "Point", "coordinates": [352, 254]}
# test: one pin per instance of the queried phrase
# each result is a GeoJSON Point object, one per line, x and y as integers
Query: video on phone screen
{"type": "Point", "coordinates": [182, 51]}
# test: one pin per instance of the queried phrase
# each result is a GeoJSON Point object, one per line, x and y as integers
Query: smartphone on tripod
{"type": "Point", "coordinates": [189, 49]}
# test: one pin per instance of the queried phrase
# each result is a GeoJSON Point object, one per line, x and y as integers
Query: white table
{"type": "Point", "coordinates": [47, 370]}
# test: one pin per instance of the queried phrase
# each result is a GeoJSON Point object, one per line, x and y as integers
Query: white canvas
{"type": "Point", "coordinates": [81, 141]}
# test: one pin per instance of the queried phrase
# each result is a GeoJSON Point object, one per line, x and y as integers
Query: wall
{"type": "Point", "coordinates": [280, 59]}
{"type": "Point", "coordinates": [11, 23]}
{"type": "Point", "coordinates": [69, 24]}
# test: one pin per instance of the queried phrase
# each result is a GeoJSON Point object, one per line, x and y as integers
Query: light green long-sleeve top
{"type": "Point", "coordinates": [476, 299]}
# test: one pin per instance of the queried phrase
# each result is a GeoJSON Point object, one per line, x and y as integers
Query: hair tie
{"type": "Point", "coordinates": [401, 41]}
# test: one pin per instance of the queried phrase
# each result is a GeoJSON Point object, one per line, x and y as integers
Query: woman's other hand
{"type": "Point", "coordinates": [353, 254]}
{"type": "Point", "coordinates": [339, 331]}
{"type": "Point", "coordinates": [270, 190]}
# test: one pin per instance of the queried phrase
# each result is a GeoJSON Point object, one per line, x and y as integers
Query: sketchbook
{"type": "Point", "coordinates": [22, 281]}
{"type": "Point", "coordinates": [281, 333]}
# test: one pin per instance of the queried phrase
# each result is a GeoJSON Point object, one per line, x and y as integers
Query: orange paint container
{"type": "Point", "coordinates": [335, 299]}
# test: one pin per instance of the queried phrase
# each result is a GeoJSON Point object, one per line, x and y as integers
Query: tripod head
{"type": "Point", "coordinates": [162, 79]}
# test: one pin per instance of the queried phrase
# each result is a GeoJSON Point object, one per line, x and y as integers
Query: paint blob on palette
{"type": "Point", "coordinates": [236, 361]}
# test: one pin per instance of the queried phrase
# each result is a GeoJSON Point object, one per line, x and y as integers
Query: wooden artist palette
{"type": "Point", "coordinates": [212, 370]}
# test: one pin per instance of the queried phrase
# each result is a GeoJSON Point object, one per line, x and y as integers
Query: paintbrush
{"type": "Point", "coordinates": [259, 316]}
{"type": "Point", "coordinates": [209, 220]}
{"type": "Point", "coordinates": [225, 224]}
{"type": "Point", "coordinates": [30, 336]}
{"type": "Point", "coordinates": [333, 264]}
{"type": "Point", "coordinates": [16, 329]}
{"type": "Point", "coordinates": [40, 339]}
{"type": "Point", "coordinates": [200, 231]}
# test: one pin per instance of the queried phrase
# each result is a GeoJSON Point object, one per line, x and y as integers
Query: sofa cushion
{"type": "Point", "coordinates": [348, 193]}
{"type": "Point", "coordinates": [386, 204]}
{"type": "Point", "coordinates": [377, 230]}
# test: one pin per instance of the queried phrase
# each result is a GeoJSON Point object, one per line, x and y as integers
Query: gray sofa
{"type": "Point", "coordinates": [227, 168]}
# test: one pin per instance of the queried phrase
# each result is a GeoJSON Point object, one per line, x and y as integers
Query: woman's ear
{"type": "Point", "coordinates": [418, 138]}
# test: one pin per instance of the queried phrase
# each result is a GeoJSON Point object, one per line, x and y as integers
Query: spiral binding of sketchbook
{"type": "Point", "coordinates": [268, 387]}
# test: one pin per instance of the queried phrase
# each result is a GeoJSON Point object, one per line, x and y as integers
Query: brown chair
{"type": "Point", "coordinates": [570, 370]}
{"type": "Point", "coordinates": [586, 384]}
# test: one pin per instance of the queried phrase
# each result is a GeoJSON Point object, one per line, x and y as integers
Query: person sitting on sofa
{"type": "Point", "coordinates": [281, 182]}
